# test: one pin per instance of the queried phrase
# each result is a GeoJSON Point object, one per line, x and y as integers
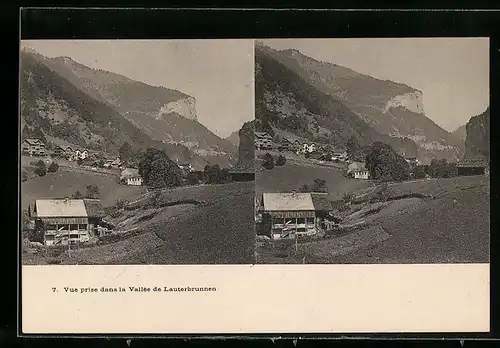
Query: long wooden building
{"type": "Point", "coordinates": [67, 220]}
{"type": "Point", "coordinates": [295, 213]}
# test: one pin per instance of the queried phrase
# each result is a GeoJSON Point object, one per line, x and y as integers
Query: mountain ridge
{"type": "Point", "coordinates": [155, 111]}
{"type": "Point", "coordinates": [390, 108]}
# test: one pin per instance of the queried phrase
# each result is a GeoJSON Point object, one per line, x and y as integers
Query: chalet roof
{"type": "Point", "coordinates": [262, 135]}
{"type": "Point", "coordinates": [287, 201]}
{"type": "Point", "coordinates": [129, 173]}
{"type": "Point", "coordinates": [69, 208]}
{"type": "Point", "coordinates": [94, 208]}
{"type": "Point", "coordinates": [60, 208]}
{"type": "Point", "coordinates": [472, 162]}
{"type": "Point", "coordinates": [356, 166]}
{"type": "Point", "coordinates": [34, 141]}
{"type": "Point", "coordinates": [291, 201]}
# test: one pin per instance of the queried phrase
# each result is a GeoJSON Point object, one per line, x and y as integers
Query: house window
{"type": "Point", "coordinates": [51, 227]}
{"type": "Point", "coordinates": [74, 236]}
{"type": "Point", "coordinates": [301, 230]}
{"type": "Point", "coordinates": [301, 221]}
{"type": "Point", "coordinates": [82, 226]}
{"type": "Point", "coordinates": [310, 221]}
{"type": "Point", "coordinates": [73, 227]}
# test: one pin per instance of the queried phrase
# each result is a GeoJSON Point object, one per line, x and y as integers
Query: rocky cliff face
{"type": "Point", "coordinates": [412, 101]}
{"type": "Point", "coordinates": [246, 149]}
{"type": "Point", "coordinates": [185, 107]}
{"type": "Point", "coordinates": [477, 143]}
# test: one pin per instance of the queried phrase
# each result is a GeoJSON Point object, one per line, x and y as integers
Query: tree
{"type": "Point", "coordinates": [265, 225]}
{"type": "Point", "coordinates": [121, 203]}
{"type": "Point", "coordinates": [192, 178]}
{"type": "Point", "coordinates": [305, 188]}
{"type": "Point", "coordinates": [53, 167]}
{"type": "Point", "coordinates": [92, 191]}
{"type": "Point", "coordinates": [268, 162]}
{"type": "Point", "coordinates": [352, 146]}
{"type": "Point", "coordinates": [158, 170]}
{"type": "Point", "coordinates": [385, 164]}
{"type": "Point", "coordinates": [24, 175]}
{"type": "Point", "coordinates": [225, 176]}
{"type": "Point", "coordinates": [281, 160]}
{"type": "Point", "coordinates": [212, 174]}
{"type": "Point", "coordinates": [125, 152]}
{"type": "Point", "coordinates": [77, 195]}
{"type": "Point", "coordinates": [319, 185]}
{"type": "Point", "coordinates": [419, 172]}
{"type": "Point", "coordinates": [41, 168]}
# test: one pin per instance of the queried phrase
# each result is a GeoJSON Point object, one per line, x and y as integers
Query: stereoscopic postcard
{"type": "Point", "coordinates": [240, 186]}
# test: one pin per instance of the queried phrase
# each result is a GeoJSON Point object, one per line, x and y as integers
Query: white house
{"type": "Point", "coordinates": [357, 170]}
{"type": "Point", "coordinates": [308, 148]}
{"type": "Point", "coordinates": [130, 176]}
{"type": "Point", "coordinates": [81, 154]}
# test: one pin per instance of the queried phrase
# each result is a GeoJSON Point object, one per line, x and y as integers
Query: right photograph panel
{"type": "Point", "coordinates": [372, 151]}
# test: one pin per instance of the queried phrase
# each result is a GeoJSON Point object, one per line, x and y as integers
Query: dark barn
{"type": "Point", "coordinates": [472, 167]}
{"type": "Point", "coordinates": [242, 176]}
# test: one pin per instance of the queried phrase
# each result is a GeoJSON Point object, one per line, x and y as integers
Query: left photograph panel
{"type": "Point", "coordinates": [137, 152]}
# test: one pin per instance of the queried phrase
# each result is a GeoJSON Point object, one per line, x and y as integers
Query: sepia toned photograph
{"type": "Point", "coordinates": [137, 152]}
{"type": "Point", "coordinates": [372, 151]}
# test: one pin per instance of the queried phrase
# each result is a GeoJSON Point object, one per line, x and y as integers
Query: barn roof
{"type": "Point", "coordinates": [129, 173]}
{"type": "Point", "coordinates": [69, 208]}
{"type": "Point", "coordinates": [34, 141]}
{"type": "Point", "coordinates": [472, 162]}
{"type": "Point", "coordinates": [60, 208]}
{"type": "Point", "coordinates": [356, 166]}
{"type": "Point", "coordinates": [287, 201]}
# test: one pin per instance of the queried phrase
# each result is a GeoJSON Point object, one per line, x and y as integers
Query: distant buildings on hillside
{"type": "Point", "coordinates": [358, 170]}
{"type": "Point", "coordinates": [33, 147]}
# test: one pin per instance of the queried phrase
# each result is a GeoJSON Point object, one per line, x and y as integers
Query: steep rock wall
{"type": "Point", "coordinates": [185, 107]}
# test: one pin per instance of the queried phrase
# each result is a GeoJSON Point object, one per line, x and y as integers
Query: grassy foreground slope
{"type": "Point", "coordinates": [451, 227]}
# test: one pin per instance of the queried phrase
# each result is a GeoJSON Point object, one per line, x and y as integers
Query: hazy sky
{"type": "Point", "coordinates": [452, 73]}
{"type": "Point", "coordinates": [217, 73]}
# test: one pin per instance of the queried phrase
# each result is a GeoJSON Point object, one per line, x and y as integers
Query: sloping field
{"type": "Point", "coordinates": [327, 250]}
{"type": "Point", "coordinates": [64, 183]}
{"type": "Point", "coordinates": [454, 228]}
{"type": "Point", "coordinates": [220, 233]}
{"type": "Point", "coordinates": [291, 176]}
{"type": "Point", "coordinates": [439, 187]}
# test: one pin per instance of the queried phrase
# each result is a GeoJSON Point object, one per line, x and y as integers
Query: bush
{"type": "Point", "coordinates": [41, 168]}
{"type": "Point", "coordinates": [419, 172]}
{"type": "Point", "coordinates": [92, 191]}
{"type": "Point", "coordinates": [121, 203]}
{"type": "Point", "coordinates": [319, 185]}
{"type": "Point", "coordinates": [192, 178]}
{"type": "Point", "coordinates": [53, 167]}
{"type": "Point", "coordinates": [268, 161]}
{"type": "Point", "coordinates": [281, 160]}
{"type": "Point", "coordinates": [77, 195]}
